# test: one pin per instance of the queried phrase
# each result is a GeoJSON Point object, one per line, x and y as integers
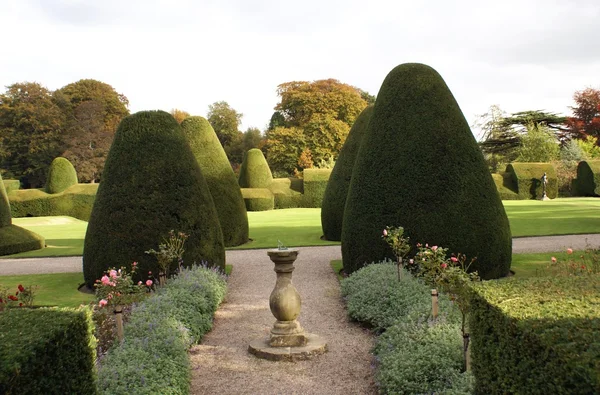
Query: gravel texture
{"type": "Point", "coordinates": [222, 363]}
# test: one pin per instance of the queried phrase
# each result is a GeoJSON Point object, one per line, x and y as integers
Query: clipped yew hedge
{"type": "Point", "coordinates": [420, 167]}
{"type": "Point", "coordinates": [288, 192]}
{"type": "Point", "coordinates": [151, 184]}
{"type": "Point", "coordinates": [315, 183]}
{"type": "Point", "coordinates": [61, 175]}
{"type": "Point", "coordinates": [588, 178]}
{"type": "Point", "coordinates": [258, 199]}
{"type": "Point", "coordinates": [536, 336]}
{"type": "Point", "coordinates": [334, 197]}
{"type": "Point", "coordinates": [255, 171]}
{"type": "Point", "coordinates": [528, 179]}
{"type": "Point", "coordinates": [11, 185]}
{"type": "Point", "coordinates": [221, 180]}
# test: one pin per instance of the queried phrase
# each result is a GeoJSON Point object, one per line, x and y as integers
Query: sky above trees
{"type": "Point", "coordinates": [185, 54]}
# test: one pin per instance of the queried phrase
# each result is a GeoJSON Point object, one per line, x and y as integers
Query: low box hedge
{"type": "Point", "coordinates": [258, 199]}
{"type": "Point", "coordinates": [76, 201]}
{"type": "Point", "coordinates": [14, 239]}
{"type": "Point", "coordinates": [47, 350]}
{"type": "Point", "coordinates": [536, 336]}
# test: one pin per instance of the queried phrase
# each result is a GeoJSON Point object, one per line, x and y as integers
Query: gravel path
{"type": "Point", "coordinates": [222, 364]}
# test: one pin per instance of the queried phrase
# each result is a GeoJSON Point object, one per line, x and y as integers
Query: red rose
{"type": "Point", "coordinates": [13, 297]}
{"type": "Point", "coordinates": [21, 288]}
{"type": "Point", "coordinates": [20, 304]}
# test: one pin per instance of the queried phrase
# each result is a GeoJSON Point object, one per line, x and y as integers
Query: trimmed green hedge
{"type": "Point", "coordinates": [420, 167]}
{"type": "Point", "coordinates": [47, 351]}
{"type": "Point", "coordinates": [255, 171]}
{"type": "Point", "coordinates": [5, 217]}
{"type": "Point", "coordinates": [527, 177]}
{"type": "Point", "coordinates": [505, 185]}
{"type": "Point", "coordinates": [588, 178]}
{"type": "Point", "coordinates": [11, 185]}
{"type": "Point", "coordinates": [315, 183]}
{"type": "Point", "coordinates": [288, 192]}
{"type": "Point", "coordinates": [153, 357]}
{"type": "Point", "coordinates": [220, 179]}
{"type": "Point", "coordinates": [61, 175]}
{"type": "Point", "coordinates": [76, 201]}
{"type": "Point", "coordinates": [334, 198]}
{"type": "Point", "coordinates": [151, 184]}
{"type": "Point", "coordinates": [536, 336]}
{"type": "Point", "coordinates": [258, 199]}
{"type": "Point", "coordinates": [14, 239]}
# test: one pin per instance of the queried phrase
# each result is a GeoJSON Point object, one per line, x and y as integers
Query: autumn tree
{"type": "Point", "coordinates": [586, 119]}
{"type": "Point", "coordinates": [319, 114]}
{"type": "Point", "coordinates": [93, 110]}
{"type": "Point", "coordinates": [179, 115]}
{"type": "Point", "coordinates": [31, 131]}
{"type": "Point", "coordinates": [225, 121]}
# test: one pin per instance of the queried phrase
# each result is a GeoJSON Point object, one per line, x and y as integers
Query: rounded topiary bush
{"type": "Point", "coordinates": [220, 178]}
{"type": "Point", "coordinates": [419, 167]}
{"type": "Point", "coordinates": [61, 175]}
{"type": "Point", "coordinates": [255, 171]}
{"type": "Point", "coordinates": [151, 184]}
{"type": "Point", "coordinates": [5, 217]}
{"type": "Point", "coordinates": [334, 200]}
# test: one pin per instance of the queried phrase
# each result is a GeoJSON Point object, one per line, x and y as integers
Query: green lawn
{"type": "Point", "coordinates": [302, 226]}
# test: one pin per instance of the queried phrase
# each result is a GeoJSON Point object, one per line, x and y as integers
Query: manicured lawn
{"type": "Point", "coordinates": [59, 289]}
{"type": "Point", "coordinates": [302, 226]}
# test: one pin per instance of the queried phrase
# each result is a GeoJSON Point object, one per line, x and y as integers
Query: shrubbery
{"type": "Point", "coordinates": [527, 177]}
{"type": "Point", "coordinates": [61, 175]}
{"type": "Point", "coordinates": [255, 171]}
{"type": "Point", "coordinates": [153, 357]}
{"type": "Point", "coordinates": [258, 199]}
{"type": "Point", "coordinates": [588, 178]}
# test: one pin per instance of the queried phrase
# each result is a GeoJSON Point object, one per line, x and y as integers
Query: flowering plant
{"type": "Point", "coordinates": [22, 297]}
{"type": "Point", "coordinates": [394, 237]}
{"type": "Point", "coordinates": [169, 250]}
{"type": "Point", "coordinates": [587, 264]}
{"type": "Point", "coordinates": [116, 287]}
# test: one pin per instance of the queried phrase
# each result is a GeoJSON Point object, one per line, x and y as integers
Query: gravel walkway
{"type": "Point", "coordinates": [222, 364]}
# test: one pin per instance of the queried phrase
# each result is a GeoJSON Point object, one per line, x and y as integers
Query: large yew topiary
{"type": "Point", "coordinates": [334, 200]}
{"type": "Point", "coordinates": [13, 238]}
{"type": "Point", "coordinates": [61, 175]}
{"type": "Point", "coordinates": [419, 167]}
{"type": "Point", "coordinates": [255, 171]}
{"type": "Point", "coordinates": [151, 184]}
{"type": "Point", "coordinates": [220, 178]}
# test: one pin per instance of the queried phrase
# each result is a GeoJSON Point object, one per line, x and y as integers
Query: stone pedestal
{"type": "Point", "coordinates": [288, 340]}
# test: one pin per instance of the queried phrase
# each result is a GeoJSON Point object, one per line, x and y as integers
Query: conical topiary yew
{"type": "Point", "coordinates": [334, 199]}
{"type": "Point", "coordinates": [151, 184]}
{"type": "Point", "coordinates": [255, 171]}
{"type": "Point", "coordinates": [221, 180]}
{"type": "Point", "coordinates": [419, 167]}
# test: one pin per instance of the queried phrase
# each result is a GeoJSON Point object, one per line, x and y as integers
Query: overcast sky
{"type": "Point", "coordinates": [187, 54]}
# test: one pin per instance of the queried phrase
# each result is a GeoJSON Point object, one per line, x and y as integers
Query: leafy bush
{"type": "Point", "coordinates": [536, 336]}
{"type": "Point", "coordinates": [334, 198]}
{"type": "Point", "coordinates": [61, 175]}
{"type": "Point", "coordinates": [151, 184]}
{"type": "Point", "coordinates": [375, 296]}
{"type": "Point", "coordinates": [258, 199]}
{"type": "Point", "coordinates": [221, 180]}
{"type": "Point", "coordinates": [420, 167]}
{"type": "Point", "coordinates": [44, 350]}
{"type": "Point", "coordinates": [153, 357]}
{"type": "Point", "coordinates": [255, 171]}
{"type": "Point", "coordinates": [422, 358]}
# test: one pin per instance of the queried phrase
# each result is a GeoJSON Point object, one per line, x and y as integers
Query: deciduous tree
{"type": "Point", "coordinates": [586, 119]}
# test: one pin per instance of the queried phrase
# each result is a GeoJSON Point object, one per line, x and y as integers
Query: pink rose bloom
{"type": "Point", "coordinates": [385, 232]}
{"type": "Point", "coordinates": [453, 259]}
{"type": "Point", "coordinates": [553, 259]}
{"type": "Point", "coordinates": [426, 245]}
{"type": "Point", "coordinates": [444, 265]}
{"type": "Point", "coordinates": [139, 283]}
{"type": "Point", "coordinates": [433, 248]}
{"type": "Point", "coordinates": [103, 303]}
{"type": "Point", "coordinates": [112, 273]}
{"type": "Point", "coordinates": [105, 280]}
{"type": "Point", "coordinates": [569, 251]}
{"type": "Point", "coordinates": [134, 264]}
{"type": "Point", "coordinates": [148, 283]}
{"type": "Point", "coordinates": [411, 261]}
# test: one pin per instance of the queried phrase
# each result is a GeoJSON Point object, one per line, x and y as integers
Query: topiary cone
{"type": "Point", "coordinates": [419, 167]}
{"type": "Point", "coordinates": [61, 175]}
{"type": "Point", "coordinates": [221, 180]}
{"type": "Point", "coordinates": [334, 199]}
{"type": "Point", "coordinates": [255, 171]}
{"type": "Point", "coordinates": [151, 184]}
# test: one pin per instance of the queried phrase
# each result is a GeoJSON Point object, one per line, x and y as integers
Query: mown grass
{"type": "Point", "coordinates": [302, 226]}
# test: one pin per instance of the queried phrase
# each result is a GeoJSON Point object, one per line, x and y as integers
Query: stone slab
{"type": "Point", "coordinates": [315, 345]}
